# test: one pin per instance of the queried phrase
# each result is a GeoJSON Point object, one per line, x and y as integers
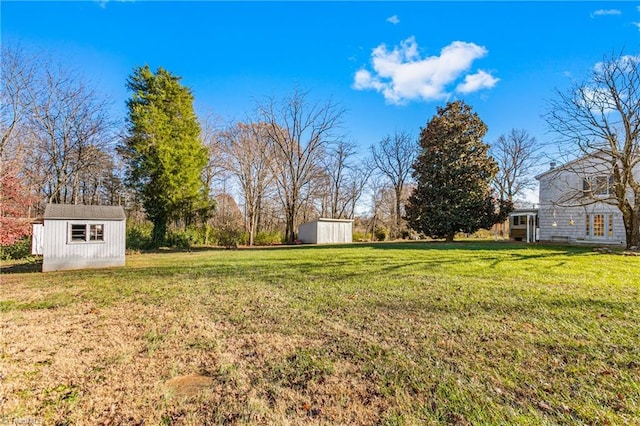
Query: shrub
{"type": "Point", "coordinates": [139, 236]}
{"type": "Point", "coordinates": [21, 249]}
{"type": "Point", "coordinates": [381, 233]}
{"type": "Point", "coordinates": [360, 236]}
{"type": "Point", "coordinates": [267, 238]}
{"type": "Point", "coordinates": [180, 238]}
{"type": "Point", "coordinates": [229, 236]}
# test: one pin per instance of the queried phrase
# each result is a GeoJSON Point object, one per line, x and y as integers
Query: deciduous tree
{"type": "Point", "coordinates": [300, 132]}
{"type": "Point", "coordinates": [248, 155]}
{"type": "Point", "coordinates": [516, 156]}
{"type": "Point", "coordinates": [393, 157]}
{"type": "Point", "coordinates": [601, 115]}
{"type": "Point", "coordinates": [453, 174]}
{"type": "Point", "coordinates": [15, 201]}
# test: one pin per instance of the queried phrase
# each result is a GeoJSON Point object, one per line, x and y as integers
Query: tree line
{"type": "Point", "coordinates": [289, 161]}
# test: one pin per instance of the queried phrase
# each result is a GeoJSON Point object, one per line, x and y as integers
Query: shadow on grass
{"type": "Point", "coordinates": [22, 268]}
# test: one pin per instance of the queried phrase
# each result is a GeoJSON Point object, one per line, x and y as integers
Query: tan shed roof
{"type": "Point", "coordinates": [80, 211]}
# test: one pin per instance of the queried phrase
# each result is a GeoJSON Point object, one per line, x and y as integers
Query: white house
{"type": "Point", "coordinates": [577, 204]}
{"type": "Point", "coordinates": [79, 236]}
{"type": "Point", "coordinates": [326, 231]}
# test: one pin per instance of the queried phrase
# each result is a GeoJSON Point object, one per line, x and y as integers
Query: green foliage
{"type": "Point", "coordinates": [381, 233]}
{"type": "Point", "coordinates": [21, 249]}
{"type": "Point", "coordinates": [180, 238]}
{"type": "Point", "coordinates": [453, 174]}
{"type": "Point", "coordinates": [266, 238]}
{"type": "Point", "coordinates": [359, 236]}
{"type": "Point", "coordinates": [163, 151]}
{"type": "Point", "coordinates": [230, 236]}
{"type": "Point", "coordinates": [139, 236]}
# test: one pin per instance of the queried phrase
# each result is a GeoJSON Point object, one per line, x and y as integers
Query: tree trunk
{"type": "Point", "coordinates": [397, 232]}
{"type": "Point", "coordinates": [290, 232]}
{"type": "Point", "coordinates": [159, 233]}
{"type": "Point", "coordinates": [631, 218]}
{"type": "Point", "coordinates": [450, 237]}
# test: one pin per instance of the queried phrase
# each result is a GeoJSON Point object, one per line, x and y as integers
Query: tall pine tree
{"type": "Point", "coordinates": [453, 173]}
{"type": "Point", "coordinates": [163, 151]}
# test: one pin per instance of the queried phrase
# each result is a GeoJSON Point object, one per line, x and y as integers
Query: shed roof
{"type": "Point", "coordinates": [80, 211]}
{"type": "Point", "coordinates": [326, 219]}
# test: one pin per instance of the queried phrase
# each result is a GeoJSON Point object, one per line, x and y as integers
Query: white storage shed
{"type": "Point", "coordinates": [326, 231]}
{"type": "Point", "coordinates": [79, 237]}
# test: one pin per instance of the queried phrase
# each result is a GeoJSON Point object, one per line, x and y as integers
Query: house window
{"type": "Point", "coordinates": [598, 185]}
{"type": "Point", "coordinates": [599, 225]}
{"type": "Point", "coordinates": [82, 233]}
{"type": "Point", "coordinates": [587, 230]}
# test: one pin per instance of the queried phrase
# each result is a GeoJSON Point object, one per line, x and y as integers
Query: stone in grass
{"type": "Point", "coordinates": [190, 385]}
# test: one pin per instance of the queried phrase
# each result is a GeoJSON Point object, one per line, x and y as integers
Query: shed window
{"type": "Point", "coordinates": [96, 233]}
{"type": "Point", "coordinates": [78, 232]}
{"type": "Point", "coordinates": [82, 233]}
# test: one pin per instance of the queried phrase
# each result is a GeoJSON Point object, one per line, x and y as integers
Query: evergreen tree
{"type": "Point", "coordinates": [163, 151]}
{"type": "Point", "coordinates": [453, 174]}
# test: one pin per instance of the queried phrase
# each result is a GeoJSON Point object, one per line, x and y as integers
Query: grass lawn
{"type": "Point", "coordinates": [413, 333]}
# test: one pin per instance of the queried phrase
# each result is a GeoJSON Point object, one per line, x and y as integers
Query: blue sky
{"type": "Point", "coordinates": [389, 64]}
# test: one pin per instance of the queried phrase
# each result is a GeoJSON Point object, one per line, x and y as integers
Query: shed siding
{"type": "Point", "coordinates": [327, 231]}
{"type": "Point", "coordinates": [308, 232]}
{"type": "Point", "coordinates": [60, 254]}
{"type": "Point", "coordinates": [37, 246]}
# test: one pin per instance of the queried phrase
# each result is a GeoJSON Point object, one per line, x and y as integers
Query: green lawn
{"type": "Point", "coordinates": [414, 333]}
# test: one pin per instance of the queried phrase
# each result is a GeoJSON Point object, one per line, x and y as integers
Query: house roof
{"type": "Point", "coordinates": [81, 211]}
{"type": "Point", "coordinates": [600, 155]}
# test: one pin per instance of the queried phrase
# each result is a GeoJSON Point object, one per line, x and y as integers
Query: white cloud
{"type": "Point", "coordinates": [402, 74]}
{"type": "Point", "coordinates": [637, 24]}
{"type": "Point", "coordinates": [606, 12]}
{"type": "Point", "coordinates": [474, 82]}
{"type": "Point", "coordinates": [393, 19]}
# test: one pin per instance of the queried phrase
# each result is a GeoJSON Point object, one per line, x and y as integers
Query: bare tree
{"type": "Point", "coordinates": [18, 75]}
{"type": "Point", "coordinates": [345, 181]}
{"type": "Point", "coordinates": [55, 126]}
{"type": "Point", "coordinates": [300, 132]}
{"type": "Point", "coordinates": [248, 156]}
{"type": "Point", "coordinates": [69, 126]}
{"type": "Point", "coordinates": [516, 157]}
{"type": "Point", "coordinates": [601, 117]}
{"type": "Point", "coordinates": [393, 156]}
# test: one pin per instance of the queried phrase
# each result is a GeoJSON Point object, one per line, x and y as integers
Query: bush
{"type": "Point", "coordinates": [21, 249]}
{"type": "Point", "coordinates": [180, 238]}
{"type": "Point", "coordinates": [267, 238]}
{"type": "Point", "coordinates": [359, 236]}
{"type": "Point", "coordinates": [381, 233]}
{"type": "Point", "coordinates": [229, 236]}
{"type": "Point", "coordinates": [139, 236]}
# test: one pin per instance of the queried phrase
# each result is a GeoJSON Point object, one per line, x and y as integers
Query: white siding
{"type": "Point", "coordinates": [326, 231]}
{"type": "Point", "coordinates": [59, 253]}
{"type": "Point", "coordinates": [564, 207]}
{"type": "Point", "coordinates": [308, 232]}
{"type": "Point", "coordinates": [37, 244]}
